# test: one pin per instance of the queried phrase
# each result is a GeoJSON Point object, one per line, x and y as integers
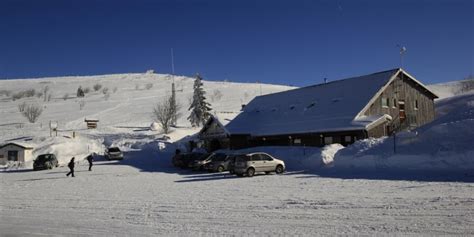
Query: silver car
{"type": "Point", "coordinates": [249, 164]}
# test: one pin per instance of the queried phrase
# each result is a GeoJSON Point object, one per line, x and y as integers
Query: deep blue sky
{"type": "Point", "coordinates": [284, 42]}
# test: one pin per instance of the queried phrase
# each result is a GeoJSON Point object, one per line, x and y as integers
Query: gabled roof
{"type": "Point", "coordinates": [213, 120]}
{"type": "Point", "coordinates": [16, 144]}
{"type": "Point", "coordinates": [328, 107]}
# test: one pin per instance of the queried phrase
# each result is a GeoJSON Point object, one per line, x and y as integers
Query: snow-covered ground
{"type": "Point", "coordinates": [425, 188]}
{"type": "Point", "coordinates": [145, 196]}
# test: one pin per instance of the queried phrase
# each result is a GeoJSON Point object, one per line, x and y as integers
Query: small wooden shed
{"type": "Point", "coordinates": [91, 123]}
{"type": "Point", "coordinates": [15, 152]}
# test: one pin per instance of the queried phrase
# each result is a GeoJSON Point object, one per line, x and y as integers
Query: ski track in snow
{"type": "Point", "coordinates": [117, 199]}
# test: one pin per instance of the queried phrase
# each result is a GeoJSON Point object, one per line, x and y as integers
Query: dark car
{"type": "Point", "coordinates": [220, 162]}
{"type": "Point", "coordinates": [45, 161]}
{"type": "Point", "coordinates": [186, 160]}
{"type": "Point", "coordinates": [113, 153]}
{"type": "Point", "coordinates": [202, 162]}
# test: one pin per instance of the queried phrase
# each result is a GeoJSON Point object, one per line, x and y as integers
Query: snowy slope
{"type": "Point", "coordinates": [448, 89]}
{"type": "Point", "coordinates": [125, 114]}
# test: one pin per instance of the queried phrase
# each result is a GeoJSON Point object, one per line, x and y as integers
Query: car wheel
{"type": "Point", "coordinates": [250, 172]}
{"type": "Point", "coordinates": [279, 169]}
{"type": "Point", "coordinates": [231, 171]}
{"type": "Point", "coordinates": [220, 169]}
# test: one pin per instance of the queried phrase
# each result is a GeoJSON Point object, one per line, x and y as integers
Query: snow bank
{"type": "Point", "coordinates": [446, 144]}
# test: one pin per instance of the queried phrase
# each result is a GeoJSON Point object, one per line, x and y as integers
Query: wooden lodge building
{"type": "Point", "coordinates": [340, 111]}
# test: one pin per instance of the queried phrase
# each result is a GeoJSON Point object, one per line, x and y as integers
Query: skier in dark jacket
{"type": "Point", "coordinates": [90, 158]}
{"type": "Point", "coordinates": [71, 167]}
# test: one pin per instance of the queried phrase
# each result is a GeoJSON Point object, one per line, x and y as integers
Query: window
{"type": "Point", "coordinates": [394, 103]}
{"type": "Point", "coordinates": [348, 139]}
{"type": "Point", "coordinates": [416, 104]}
{"type": "Point", "coordinates": [327, 140]}
{"type": "Point", "coordinates": [297, 141]}
{"type": "Point", "coordinates": [265, 157]}
{"type": "Point", "coordinates": [385, 102]}
{"type": "Point", "coordinates": [13, 155]}
{"type": "Point", "coordinates": [256, 157]}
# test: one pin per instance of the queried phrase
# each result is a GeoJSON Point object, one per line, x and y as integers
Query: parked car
{"type": "Point", "coordinates": [45, 161]}
{"type": "Point", "coordinates": [220, 162]}
{"type": "Point", "coordinates": [202, 162]}
{"type": "Point", "coordinates": [249, 164]}
{"type": "Point", "coordinates": [186, 160]}
{"type": "Point", "coordinates": [113, 153]}
{"type": "Point", "coordinates": [198, 162]}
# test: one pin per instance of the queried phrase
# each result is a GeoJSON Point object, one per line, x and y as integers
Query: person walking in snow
{"type": "Point", "coordinates": [90, 158]}
{"type": "Point", "coordinates": [71, 167]}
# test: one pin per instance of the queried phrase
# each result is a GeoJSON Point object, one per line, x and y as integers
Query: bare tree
{"type": "Point", "coordinates": [32, 112]}
{"type": "Point", "coordinates": [216, 95]}
{"type": "Point", "coordinates": [97, 87]}
{"type": "Point", "coordinates": [21, 107]}
{"type": "Point", "coordinates": [164, 113]}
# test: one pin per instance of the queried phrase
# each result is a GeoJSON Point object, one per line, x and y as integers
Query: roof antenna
{"type": "Point", "coordinates": [403, 50]}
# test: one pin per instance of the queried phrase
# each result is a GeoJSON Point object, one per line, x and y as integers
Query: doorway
{"type": "Point", "coordinates": [401, 114]}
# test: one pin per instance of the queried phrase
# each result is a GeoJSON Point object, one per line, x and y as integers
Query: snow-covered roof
{"type": "Point", "coordinates": [214, 124]}
{"type": "Point", "coordinates": [21, 145]}
{"type": "Point", "coordinates": [332, 106]}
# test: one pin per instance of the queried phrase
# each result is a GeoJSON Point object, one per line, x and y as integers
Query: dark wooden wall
{"type": "Point", "coordinates": [407, 90]}
{"type": "Point", "coordinates": [306, 139]}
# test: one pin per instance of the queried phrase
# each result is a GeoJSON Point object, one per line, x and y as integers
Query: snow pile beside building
{"type": "Point", "coordinates": [446, 144]}
{"type": "Point", "coordinates": [64, 148]}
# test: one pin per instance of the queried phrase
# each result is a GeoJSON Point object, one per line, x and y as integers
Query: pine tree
{"type": "Point", "coordinates": [199, 107]}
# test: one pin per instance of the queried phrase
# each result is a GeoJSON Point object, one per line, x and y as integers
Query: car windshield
{"type": "Point", "coordinates": [202, 156]}
{"type": "Point", "coordinates": [241, 158]}
{"type": "Point", "coordinates": [43, 157]}
{"type": "Point", "coordinates": [114, 149]}
{"type": "Point", "coordinates": [219, 157]}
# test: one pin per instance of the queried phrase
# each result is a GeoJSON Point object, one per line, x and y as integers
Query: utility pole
{"type": "Point", "coordinates": [173, 91]}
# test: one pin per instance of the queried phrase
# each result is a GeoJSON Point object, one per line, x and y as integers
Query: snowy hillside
{"type": "Point", "coordinates": [448, 89]}
{"type": "Point", "coordinates": [124, 109]}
